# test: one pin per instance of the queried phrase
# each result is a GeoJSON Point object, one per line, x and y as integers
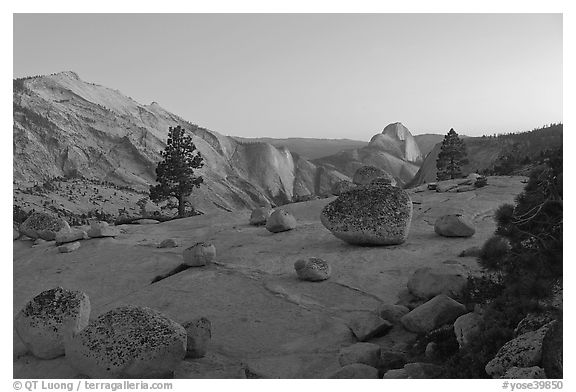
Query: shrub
{"type": "Point", "coordinates": [494, 253]}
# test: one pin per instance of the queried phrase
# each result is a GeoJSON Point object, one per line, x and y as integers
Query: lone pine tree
{"type": "Point", "coordinates": [175, 173]}
{"type": "Point", "coordinates": [451, 157]}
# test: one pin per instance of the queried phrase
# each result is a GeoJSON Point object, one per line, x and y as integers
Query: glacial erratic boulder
{"type": "Point", "coordinates": [438, 311]}
{"type": "Point", "coordinates": [428, 282]}
{"type": "Point", "coordinates": [312, 269]}
{"type": "Point", "coordinates": [199, 333]}
{"type": "Point", "coordinates": [454, 225]}
{"type": "Point", "coordinates": [99, 229]}
{"type": "Point", "coordinates": [199, 254]}
{"type": "Point", "coordinates": [260, 216]}
{"type": "Point", "coordinates": [128, 342]}
{"type": "Point", "coordinates": [365, 174]}
{"type": "Point", "coordinates": [43, 225]}
{"type": "Point", "coordinates": [370, 215]}
{"type": "Point", "coordinates": [44, 322]}
{"type": "Point", "coordinates": [280, 220]}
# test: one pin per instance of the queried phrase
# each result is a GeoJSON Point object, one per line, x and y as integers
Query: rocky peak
{"type": "Point", "coordinates": [397, 140]}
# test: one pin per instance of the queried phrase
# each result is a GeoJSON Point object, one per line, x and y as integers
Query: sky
{"type": "Point", "coordinates": [314, 75]}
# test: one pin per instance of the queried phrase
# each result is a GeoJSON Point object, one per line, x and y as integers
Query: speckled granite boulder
{"type": "Point", "coordinates": [100, 229]}
{"type": "Point", "coordinates": [199, 254]}
{"type": "Point", "coordinates": [454, 225]}
{"type": "Point", "coordinates": [529, 373]}
{"type": "Point", "coordinates": [280, 220]}
{"type": "Point", "coordinates": [48, 317]}
{"type": "Point", "coordinates": [128, 342]}
{"type": "Point", "coordinates": [42, 225]}
{"type": "Point", "coordinates": [384, 180]}
{"type": "Point", "coordinates": [199, 333]}
{"type": "Point", "coordinates": [370, 215]}
{"type": "Point", "coordinates": [355, 370]}
{"type": "Point", "coordinates": [365, 175]}
{"type": "Point", "coordinates": [341, 187]}
{"type": "Point", "coordinates": [260, 216]}
{"type": "Point", "coordinates": [522, 351]}
{"type": "Point", "coordinates": [312, 269]}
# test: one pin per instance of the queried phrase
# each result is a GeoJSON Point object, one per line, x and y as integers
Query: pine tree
{"type": "Point", "coordinates": [175, 173]}
{"type": "Point", "coordinates": [452, 156]}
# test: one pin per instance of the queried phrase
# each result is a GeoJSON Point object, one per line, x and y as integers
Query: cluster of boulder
{"type": "Point", "coordinates": [43, 227]}
{"type": "Point", "coordinates": [472, 182]}
{"type": "Point", "coordinates": [125, 342]}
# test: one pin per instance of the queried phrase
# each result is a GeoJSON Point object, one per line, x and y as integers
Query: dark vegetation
{"type": "Point", "coordinates": [451, 158]}
{"type": "Point", "coordinates": [522, 263]}
{"type": "Point", "coordinates": [175, 173]}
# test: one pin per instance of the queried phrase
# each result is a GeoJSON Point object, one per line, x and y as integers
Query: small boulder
{"type": "Point", "coordinates": [43, 225]}
{"type": "Point", "coordinates": [454, 225]}
{"type": "Point", "coordinates": [431, 350]}
{"type": "Point", "coordinates": [356, 370]}
{"type": "Point", "coordinates": [365, 174]}
{"type": "Point", "coordinates": [522, 351]}
{"type": "Point", "coordinates": [146, 222]}
{"type": "Point", "coordinates": [199, 254]}
{"type": "Point", "coordinates": [280, 220]}
{"type": "Point", "coordinates": [391, 313]}
{"type": "Point", "coordinates": [369, 215]}
{"type": "Point", "coordinates": [44, 322]}
{"type": "Point", "coordinates": [432, 186]}
{"type": "Point", "coordinates": [168, 243]}
{"type": "Point", "coordinates": [366, 353]}
{"type": "Point", "coordinates": [341, 187]}
{"type": "Point", "coordinates": [428, 282]}
{"type": "Point", "coordinates": [438, 311]}
{"type": "Point", "coordinates": [467, 327]}
{"type": "Point", "coordinates": [312, 269]}
{"type": "Point", "coordinates": [529, 373]}
{"type": "Point", "coordinates": [99, 229]}
{"type": "Point", "coordinates": [481, 182]}
{"type": "Point", "coordinates": [445, 186]}
{"type": "Point", "coordinates": [128, 342]}
{"type": "Point", "coordinates": [69, 247]}
{"type": "Point", "coordinates": [70, 235]}
{"type": "Point", "coordinates": [260, 216]}
{"type": "Point", "coordinates": [199, 333]}
{"type": "Point", "coordinates": [367, 325]}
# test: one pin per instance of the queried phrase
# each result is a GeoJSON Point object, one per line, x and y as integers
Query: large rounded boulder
{"type": "Point", "coordinates": [128, 342]}
{"type": "Point", "coordinates": [454, 225]}
{"type": "Point", "coordinates": [43, 225]}
{"type": "Point", "coordinates": [44, 322]}
{"type": "Point", "coordinates": [280, 220]}
{"type": "Point", "coordinates": [365, 175]}
{"type": "Point", "coordinates": [370, 215]}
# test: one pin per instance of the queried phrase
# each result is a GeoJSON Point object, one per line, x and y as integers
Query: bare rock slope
{"type": "Point", "coordinates": [265, 321]}
{"type": "Point", "coordinates": [64, 126]}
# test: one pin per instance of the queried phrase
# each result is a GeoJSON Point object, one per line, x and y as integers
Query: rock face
{"type": "Point", "coordinates": [199, 333]}
{"type": "Point", "coordinates": [438, 311]}
{"type": "Point", "coordinates": [366, 353]}
{"type": "Point", "coordinates": [260, 215]}
{"type": "Point", "coordinates": [43, 323]}
{"type": "Point", "coordinates": [69, 247]}
{"type": "Point", "coordinates": [280, 220]}
{"type": "Point", "coordinates": [370, 216]}
{"type": "Point", "coordinates": [312, 269]}
{"type": "Point", "coordinates": [42, 225]}
{"type": "Point", "coordinates": [428, 282]}
{"type": "Point", "coordinates": [128, 342]}
{"type": "Point", "coordinates": [366, 174]}
{"type": "Point", "coordinates": [70, 235]}
{"type": "Point", "coordinates": [454, 225]}
{"type": "Point", "coordinates": [533, 372]}
{"type": "Point", "coordinates": [467, 327]}
{"type": "Point", "coordinates": [100, 229]}
{"type": "Point", "coordinates": [341, 187]}
{"type": "Point", "coordinates": [199, 254]}
{"type": "Point", "coordinates": [356, 370]}
{"type": "Point", "coordinates": [522, 351]}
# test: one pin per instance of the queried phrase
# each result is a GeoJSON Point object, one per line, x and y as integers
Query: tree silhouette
{"type": "Point", "coordinates": [175, 173]}
{"type": "Point", "coordinates": [451, 157]}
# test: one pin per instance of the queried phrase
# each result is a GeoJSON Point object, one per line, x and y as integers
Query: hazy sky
{"type": "Point", "coordinates": [314, 75]}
